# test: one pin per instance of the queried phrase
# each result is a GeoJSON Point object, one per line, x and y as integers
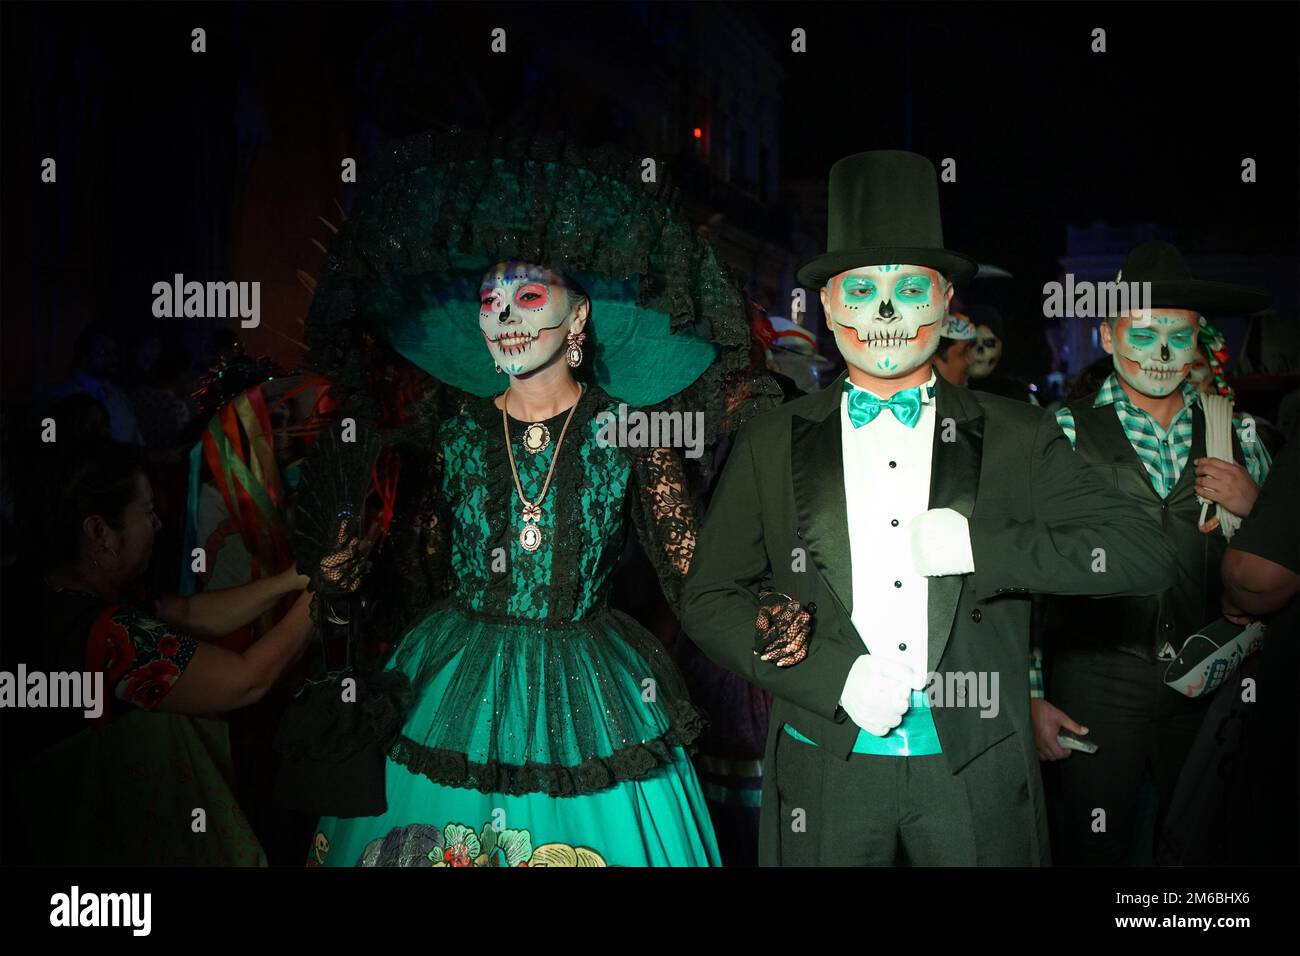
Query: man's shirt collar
{"type": "Point", "coordinates": [928, 388]}
{"type": "Point", "coordinates": [1112, 392]}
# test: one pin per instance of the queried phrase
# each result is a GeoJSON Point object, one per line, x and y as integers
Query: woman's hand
{"type": "Point", "coordinates": [782, 631]}
{"type": "Point", "coordinates": [343, 568]}
{"type": "Point", "coordinates": [290, 580]}
{"type": "Point", "coordinates": [1226, 483]}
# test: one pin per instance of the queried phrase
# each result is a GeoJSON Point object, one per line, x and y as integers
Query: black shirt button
{"type": "Point", "coordinates": [976, 616]}
{"type": "Point", "coordinates": [893, 523]}
{"type": "Point", "coordinates": [898, 584]}
{"type": "Point", "coordinates": [893, 464]}
{"type": "Point", "coordinates": [902, 647]}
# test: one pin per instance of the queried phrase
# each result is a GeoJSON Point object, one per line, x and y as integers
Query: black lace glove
{"type": "Point", "coordinates": [341, 570]}
{"type": "Point", "coordinates": [782, 629]}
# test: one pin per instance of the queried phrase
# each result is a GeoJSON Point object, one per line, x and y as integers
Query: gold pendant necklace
{"type": "Point", "coordinates": [530, 538]}
{"type": "Point", "coordinates": [536, 437]}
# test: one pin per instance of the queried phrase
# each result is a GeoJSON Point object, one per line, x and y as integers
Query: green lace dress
{"type": "Point", "coordinates": [547, 728]}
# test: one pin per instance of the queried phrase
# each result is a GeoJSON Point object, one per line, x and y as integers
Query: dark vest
{"type": "Point", "coordinates": [1141, 625]}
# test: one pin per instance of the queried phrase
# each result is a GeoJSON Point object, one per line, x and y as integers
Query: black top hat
{"type": "Point", "coordinates": [884, 208]}
{"type": "Point", "coordinates": [1172, 286]}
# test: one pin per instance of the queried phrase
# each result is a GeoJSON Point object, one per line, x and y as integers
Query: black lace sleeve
{"type": "Point", "coordinates": [664, 514]}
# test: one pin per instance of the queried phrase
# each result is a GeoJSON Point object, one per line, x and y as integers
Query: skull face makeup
{"type": "Point", "coordinates": [1153, 354]}
{"type": "Point", "coordinates": [525, 312]}
{"type": "Point", "coordinates": [985, 352]}
{"type": "Point", "coordinates": [886, 318]}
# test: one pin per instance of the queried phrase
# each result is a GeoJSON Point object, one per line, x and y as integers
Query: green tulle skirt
{"type": "Point", "coordinates": [535, 743]}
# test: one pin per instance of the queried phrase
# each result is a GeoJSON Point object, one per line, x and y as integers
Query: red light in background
{"type": "Point", "coordinates": [699, 133]}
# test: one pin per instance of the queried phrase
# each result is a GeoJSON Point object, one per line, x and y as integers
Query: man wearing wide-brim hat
{"type": "Point", "coordinates": [890, 529]}
{"type": "Point", "coordinates": [1145, 431]}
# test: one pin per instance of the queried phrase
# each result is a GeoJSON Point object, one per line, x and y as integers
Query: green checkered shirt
{"type": "Point", "coordinates": [1164, 453]}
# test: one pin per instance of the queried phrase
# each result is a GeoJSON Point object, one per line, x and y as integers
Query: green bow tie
{"type": "Point", "coordinates": [864, 407]}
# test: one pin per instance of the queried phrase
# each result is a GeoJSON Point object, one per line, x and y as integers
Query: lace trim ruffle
{"type": "Point", "coordinates": [514, 695]}
{"type": "Point", "coordinates": [595, 774]}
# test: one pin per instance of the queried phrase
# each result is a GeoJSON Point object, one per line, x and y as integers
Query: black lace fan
{"type": "Point", "coordinates": [330, 510]}
{"type": "Point", "coordinates": [331, 750]}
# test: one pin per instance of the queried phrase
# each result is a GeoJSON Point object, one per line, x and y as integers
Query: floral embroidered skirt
{"type": "Point", "coordinates": [534, 744]}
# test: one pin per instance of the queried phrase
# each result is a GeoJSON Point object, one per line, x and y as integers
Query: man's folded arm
{"type": "Point", "coordinates": [1084, 537]}
{"type": "Point", "coordinates": [720, 597]}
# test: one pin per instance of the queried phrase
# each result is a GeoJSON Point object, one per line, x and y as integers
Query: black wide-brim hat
{"type": "Point", "coordinates": [668, 326]}
{"type": "Point", "coordinates": [883, 207]}
{"type": "Point", "coordinates": [1172, 286]}
{"type": "Point", "coordinates": [440, 207]}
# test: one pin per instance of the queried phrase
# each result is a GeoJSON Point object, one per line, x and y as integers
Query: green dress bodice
{"type": "Point", "coordinates": [595, 488]}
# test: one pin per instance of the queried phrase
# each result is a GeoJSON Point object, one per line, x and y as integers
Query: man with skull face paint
{"type": "Point", "coordinates": [987, 350]}
{"type": "Point", "coordinates": [892, 526]}
{"type": "Point", "coordinates": [1105, 660]}
{"type": "Point", "coordinates": [986, 356]}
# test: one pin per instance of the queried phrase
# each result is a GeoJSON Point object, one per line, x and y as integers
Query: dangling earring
{"type": "Point", "coordinates": [573, 355]}
{"type": "Point", "coordinates": [497, 367]}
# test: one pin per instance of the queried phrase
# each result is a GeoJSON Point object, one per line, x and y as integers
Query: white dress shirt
{"type": "Point", "coordinates": [886, 485]}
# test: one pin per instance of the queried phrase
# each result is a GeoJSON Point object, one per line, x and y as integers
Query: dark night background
{"type": "Point", "coordinates": [225, 165]}
{"type": "Point", "coordinates": [217, 165]}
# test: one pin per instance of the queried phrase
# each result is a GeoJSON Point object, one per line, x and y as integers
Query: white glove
{"type": "Point", "coordinates": [877, 693]}
{"type": "Point", "coordinates": [941, 543]}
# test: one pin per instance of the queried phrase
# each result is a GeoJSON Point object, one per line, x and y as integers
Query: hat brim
{"type": "Point", "coordinates": [1215, 298]}
{"type": "Point", "coordinates": [816, 272]}
{"type": "Point", "coordinates": [430, 320]}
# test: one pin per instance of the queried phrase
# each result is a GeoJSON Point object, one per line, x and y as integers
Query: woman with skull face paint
{"type": "Point", "coordinates": [545, 727]}
{"type": "Point", "coordinates": [1145, 431]}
